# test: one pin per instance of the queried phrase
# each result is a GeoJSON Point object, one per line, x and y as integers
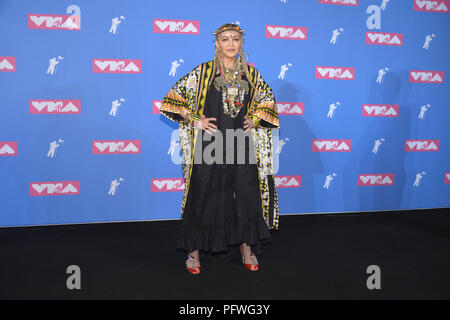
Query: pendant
{"type": "Point", "coordinates": [232, 92]}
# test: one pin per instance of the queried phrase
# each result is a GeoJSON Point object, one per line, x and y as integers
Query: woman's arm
{"type": "Point", "coordinates": [177, 104]}
{"type": "Point", "coordinates": [265, 113]}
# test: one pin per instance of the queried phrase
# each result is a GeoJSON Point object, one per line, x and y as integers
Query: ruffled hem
{"type": "Point", "coordinates": [216, 241]}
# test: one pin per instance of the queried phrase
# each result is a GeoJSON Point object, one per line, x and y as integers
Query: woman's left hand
{"type": "Point", "coordinates": [248, 124]}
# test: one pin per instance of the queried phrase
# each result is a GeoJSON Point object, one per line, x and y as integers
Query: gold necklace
{"type": "Point", "coordinates": [233, 89]}
{"type": "Point", "coordinates": [230, 74]}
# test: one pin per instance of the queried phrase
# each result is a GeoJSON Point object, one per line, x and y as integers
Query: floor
{"type": "Point", "coordinates": [324, 256]}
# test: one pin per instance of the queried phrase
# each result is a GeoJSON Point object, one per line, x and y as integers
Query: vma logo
{"type": "Point", "coordinates": [176, 26]}
{"type": "Point", "coordinates": [421, 145]}
{"type": "Point", "coordinates": [55, 22]}
{"type": "Point", "coordinates": [286, 32]}
{"type": "Point", "coordinates": [8, 64]}
{"type": "Point", "coordinates": [8, 148]}
{"type": "Point", "coordinates": [288, 181]}
{"type": "Point", "coordinates": [54, 188]}
{"type": "Point", "coordinates": [156, 106]}
{"type": "Point", "coordinates": [55, 106]}
{"type": "Point", "coordinates": [164, 185]}
{"type": "Point", "coordinates": [339, 145]}
{"type": "Point", "coordinates": [341, 2]}
{"type": "Point", "coordinates": [447, 178]}
{"type": "Point", "coordinates": [432, 5]}
{"type": "Point", "coordinates": [291, 108]}
{"type": "Point", "coordinates": [374, 110]}
{"type": "Point", "coordinates": [384, 38]}
{"type": "Point", "coordinates": [426, 76]}
{"type": "Point", "coordinates": [116, 146]}
{"type": "Point", "coordinates": [379, 179]}
{"type": "Point", "coordinates": [117, 65]}
{"type": "Point", "coordinates": [335, 73]}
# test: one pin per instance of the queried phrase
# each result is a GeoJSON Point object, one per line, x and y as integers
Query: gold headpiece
{"type": "Point", "coordinates": [227, 27]}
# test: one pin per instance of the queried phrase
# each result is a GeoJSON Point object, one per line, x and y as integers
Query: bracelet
{"type": "Point", "coordinates": [194, 120]}
{"type": "Point", "coordinates": [256, 121]}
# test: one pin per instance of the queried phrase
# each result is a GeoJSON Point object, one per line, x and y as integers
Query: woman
{"type": "Point", "coordinates": [228, 201]}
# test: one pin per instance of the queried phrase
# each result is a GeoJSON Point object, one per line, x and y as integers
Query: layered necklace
{"type": "Point", "coordinates": [233, 89]}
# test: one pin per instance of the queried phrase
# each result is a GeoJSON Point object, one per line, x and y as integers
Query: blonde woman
{"type": "Point", "coordinates": [227, 202]}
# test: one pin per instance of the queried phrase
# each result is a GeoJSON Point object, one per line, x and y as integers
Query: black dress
{"type": "Point", "coordinates": [223, 205]}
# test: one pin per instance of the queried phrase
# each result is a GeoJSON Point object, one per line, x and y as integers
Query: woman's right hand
{"type": "Point", "coordinates": [206, 124]}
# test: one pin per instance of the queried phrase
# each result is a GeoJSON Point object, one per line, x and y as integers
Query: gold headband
{"type": "Point", "coordinates": [232, 27]}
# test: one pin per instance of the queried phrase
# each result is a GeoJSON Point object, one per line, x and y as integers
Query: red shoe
{"type": "Point", "coordinates": [248, 266]}
{"type": "Point", "coordinates": [195, 270]}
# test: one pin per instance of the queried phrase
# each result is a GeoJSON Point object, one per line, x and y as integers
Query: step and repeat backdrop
{"type": "Point", "coordinates": [362, 89]}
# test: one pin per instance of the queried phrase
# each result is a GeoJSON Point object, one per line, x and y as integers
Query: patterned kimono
{"type": "Point", "coordinates": [188, 96]}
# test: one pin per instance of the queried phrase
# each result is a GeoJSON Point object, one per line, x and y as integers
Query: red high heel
{"type": "Point", "coordinates": [195, 270]}
{"type": "Point", "coordinates": [248, 266]}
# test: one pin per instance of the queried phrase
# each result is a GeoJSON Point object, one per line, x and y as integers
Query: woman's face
{"type": "Point", "coordinates": [229, 44]}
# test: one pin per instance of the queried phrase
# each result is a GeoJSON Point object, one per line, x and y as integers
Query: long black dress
{"type": "Point", "coordinates": [223, 206]}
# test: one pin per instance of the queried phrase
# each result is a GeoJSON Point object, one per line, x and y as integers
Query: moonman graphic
{"type": "Point", "coordinates": [377, 145]}
{"type": "Point", "coordinates": [53, 146]}
{"type": "Point", "coordinates": [283, 70]}
{"type": "Point", "coordinates": [381, 73]}
{"type": "Point", "coordinates": [281, 143]}
{"type": "Point", "coordinates": [174, 67]}
{"type": "Point", "coordinates": [51, 68]}
{"type": "Point", "coordinates": [115, 105]}
{"type": "Point", "coordinates": [114, 184]}
{"type": "Point", "coordinates": [428, 39]}
{"type": "Point", "coordinates": [333, 107]}
{"type": "Point", "coordinates": [226, 202]}
{"type": "Point", "coordinates": [423, 109]}
{"type": "Point", "coordinates": [419, 177]}
{"type": "Point", "coordinates": [328, 179]}
{"type": "Point", "coordinates": [334, 36]}
{"type": "Point", "coordinates": [115, 22]}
